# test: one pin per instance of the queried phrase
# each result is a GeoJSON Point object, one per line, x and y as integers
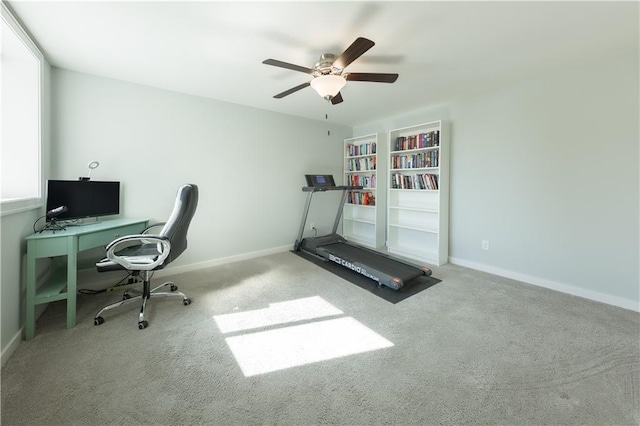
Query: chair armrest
{"type": "Point", "coordinates": [143, 262]}
{"type": "Point", "coordinates": [144, 231]}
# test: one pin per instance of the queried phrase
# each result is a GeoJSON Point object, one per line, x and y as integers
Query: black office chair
{"type": "Point", "coordinates": [144, 253]}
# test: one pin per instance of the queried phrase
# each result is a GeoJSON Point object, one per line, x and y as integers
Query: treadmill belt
{"type": "Point", "coordinates": [410, 288]}
{"type": "Point", "coordinates": [375, 260]}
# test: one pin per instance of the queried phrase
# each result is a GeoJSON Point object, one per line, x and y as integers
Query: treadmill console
{"type": "Point", "coordinates": [320, 181]}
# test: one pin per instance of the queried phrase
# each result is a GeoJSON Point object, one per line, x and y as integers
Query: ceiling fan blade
{"type": "Point", "coordinates": [292, 90]}
{"type": "Point", "coordinates": [374, 77]}
{"type": "Point", "coordinates": [353, 52]}
{"type": "Point", "coordinates": [337, 99]}
{"type": "Point", "coordinates": [287, 65]}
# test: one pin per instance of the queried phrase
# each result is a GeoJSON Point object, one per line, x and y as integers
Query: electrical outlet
{"type": "Point", "coordinates": [485, 244]}
{"type": "Point", "coordinates": [312, 226]}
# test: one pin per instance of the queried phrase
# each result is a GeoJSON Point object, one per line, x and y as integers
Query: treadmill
{"type": "Point", "coordinates": [377, 266]}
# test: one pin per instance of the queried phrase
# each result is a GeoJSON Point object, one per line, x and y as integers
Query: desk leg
{"type": "Point", "coordinates": [30, 323]}
{"type": "Point", "coordinates": [72, 280]}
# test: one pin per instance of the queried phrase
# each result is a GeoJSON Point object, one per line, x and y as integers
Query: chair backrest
{"type": "Point", "coordinates": [177, 225]}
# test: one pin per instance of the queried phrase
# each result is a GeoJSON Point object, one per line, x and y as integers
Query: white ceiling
{"type": "Point", "coordinates": [215, 49]}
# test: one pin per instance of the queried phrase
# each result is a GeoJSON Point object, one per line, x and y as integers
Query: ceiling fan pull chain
{"type": "Point", "coordinates": [326, 117]}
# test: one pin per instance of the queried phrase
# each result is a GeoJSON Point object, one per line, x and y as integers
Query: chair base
{"type": "Point", "coordinates": [145, 295]}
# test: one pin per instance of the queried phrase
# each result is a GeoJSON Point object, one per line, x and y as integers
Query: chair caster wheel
{"type": "Point", "coordinates": [174, 287]}
{"type": "Point", "coordinates": [142, 325]}
{"type": "Point", "coordinates": [186, 302]}
{"type": "Point", "coordinates": [98, 320]}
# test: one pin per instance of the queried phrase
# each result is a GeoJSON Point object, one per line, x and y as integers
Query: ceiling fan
{"type": "Point", "coordinates": [328, 74]}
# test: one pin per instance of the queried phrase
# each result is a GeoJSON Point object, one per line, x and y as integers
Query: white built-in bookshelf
{"type": "Point", "coordinates": [360, 212]}
{"type": "Point", "coordinates": [418, 193]}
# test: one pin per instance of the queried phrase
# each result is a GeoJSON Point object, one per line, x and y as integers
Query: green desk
{"type": "Point", "coordinates": [68, 242]}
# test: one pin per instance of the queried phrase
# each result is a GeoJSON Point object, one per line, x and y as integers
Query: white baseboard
{"type": "Point", "coordinates": [11, 347]}
{"type": "Point", "coordinates": [171, 270]}
{"type": "Point", "coordinates": [98, 280]}
{"type": "Point", "coordinates": [552, 285]}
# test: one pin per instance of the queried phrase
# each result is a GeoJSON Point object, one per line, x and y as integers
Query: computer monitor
{"type": "Point", "coordinates": [82, 199]}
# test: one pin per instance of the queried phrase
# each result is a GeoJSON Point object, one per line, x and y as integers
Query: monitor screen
{"type": "Point", "coordinates": [83, 198]}
{"type": "Point", "coordinates": [320, 180]}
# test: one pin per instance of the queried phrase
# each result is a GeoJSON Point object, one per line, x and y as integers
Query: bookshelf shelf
{"type": "Point", "coordinates": [416, 169]}
{"type": "Point", "coordinates": [413, 226]}
{"type": "Point", "coordinates": [391, 208]}
{"type": "Point", "coordinates": [417, 193]}
{"type": "Point", "coordinates": [370, 222]}
{"type": "Point", "coordinates": [360, 214]}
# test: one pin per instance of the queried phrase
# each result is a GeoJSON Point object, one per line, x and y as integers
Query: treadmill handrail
{"type": "Point", "coordinates": [330, 188]}
{"type": "Point", "coordinates": [310, 190]}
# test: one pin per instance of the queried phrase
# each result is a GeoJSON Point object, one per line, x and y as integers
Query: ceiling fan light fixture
{"type": "Point", "coordinates": [328, 85]}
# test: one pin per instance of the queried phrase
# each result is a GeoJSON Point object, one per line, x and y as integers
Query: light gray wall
{"type": "Point", "coordinates": [249, 164]}
{"type": "Point", "coordinates": [547, 171]}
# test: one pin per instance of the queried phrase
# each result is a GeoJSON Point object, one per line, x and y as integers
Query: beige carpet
{"type": "Point", "coordinates": [278, 340]}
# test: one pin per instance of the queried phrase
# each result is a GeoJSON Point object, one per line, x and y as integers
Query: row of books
{"type": "Point", "coordinates": [362, 180]}
{"type": "Point", "coordinates": [362, 149]}
{"type": "Point", "coordinates": [357, 164]}
{"type": "Point", "coordinates": [425, 181]}
{"type": "Point", "coordinates": [419, 160]}
{"type": "Point", "coordinates": [361, 198]}
{"type": "Point", "coordinates": [421, 140]}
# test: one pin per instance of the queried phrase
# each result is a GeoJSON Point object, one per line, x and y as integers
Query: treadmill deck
{"type": "Point", "coordinates": [378, 261]}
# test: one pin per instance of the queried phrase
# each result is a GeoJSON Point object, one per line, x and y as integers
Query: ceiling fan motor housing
{"type": "Point", "coordinates": [325, 66]}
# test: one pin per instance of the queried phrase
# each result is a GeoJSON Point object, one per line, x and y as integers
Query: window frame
{"type": "Point", "coordinates": [16, 205]}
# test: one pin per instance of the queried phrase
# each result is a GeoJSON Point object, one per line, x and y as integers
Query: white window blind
{"type": "Point", "coordinates": [21, 110]}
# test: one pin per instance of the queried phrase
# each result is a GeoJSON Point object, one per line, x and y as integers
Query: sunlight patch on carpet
{"type": "Point", "coordinates": [277, 313]}
{"type": "Point", "coordinates": [288, 346]}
